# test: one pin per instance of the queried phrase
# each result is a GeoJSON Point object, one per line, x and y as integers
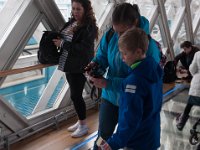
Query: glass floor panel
{"type": "Point", "coordinates": [171, 137]}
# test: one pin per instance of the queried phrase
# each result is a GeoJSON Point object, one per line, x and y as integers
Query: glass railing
{"type": "Point", "coordinates": [24, 87]}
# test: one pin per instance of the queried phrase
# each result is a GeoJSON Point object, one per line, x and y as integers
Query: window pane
{"type": "Point", "coordinates": [145, 6]}
{"type": "Point", "coordinates": [9, 16]}
{"type": "Point", "coordinates": [156, 33]}
{"type": "Point", "coordinates": [172, 8]}
{"type": "Point", "coordinates": [24, 90]}
{"type": "Point", "coordinates": [141, 2]}
{"type": "Point", "coordinates": [27, 58]}
{"type": "Point", "coordinates": [2, 4]}
{"type": "Point", "coordinates": [180, 38]}
{"type": "Point", "coordinates": [145, 10]}
{"type": "Point", "coordinates": [195, 5]}
{"type": "Point", "coordinates": [197, 37]}
{"type": "Point", "coordinates": [65, 8]}
{"type": "Point", "coordinates": [96, 4]}
{"type": "Point", "coordinates": [25, 95]}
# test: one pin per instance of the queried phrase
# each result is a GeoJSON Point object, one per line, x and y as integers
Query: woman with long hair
{"type": "Point", "coordinates": [77, 49]}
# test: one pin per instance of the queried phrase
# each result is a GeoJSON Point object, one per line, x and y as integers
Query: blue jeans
{"type": "Point", "coordinates": [108, 119]}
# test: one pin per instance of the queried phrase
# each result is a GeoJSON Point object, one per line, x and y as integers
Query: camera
{"type": "Point", "coordinates": [95, 70]}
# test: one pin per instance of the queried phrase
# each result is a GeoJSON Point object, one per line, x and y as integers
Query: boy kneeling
{"type": "Point", "coordinates": [141, 97]}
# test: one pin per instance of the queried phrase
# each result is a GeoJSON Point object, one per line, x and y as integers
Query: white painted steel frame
{"type": "Point", "coordinates": [20, 26]}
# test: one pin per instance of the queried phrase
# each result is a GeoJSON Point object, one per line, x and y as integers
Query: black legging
{"type": "Point", "coordinates": [198, 147]}
{"type": "Point", "coordinates": [76, 84]}
{"type": "Point", "coordinates": [193, 100]}
{"type": "Point", "coordinates": [187, 109]}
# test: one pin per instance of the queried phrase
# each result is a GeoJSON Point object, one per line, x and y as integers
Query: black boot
{"type": "Point", "coordinates": [198, 147]}
{"type": "Point", "coordinates": [182, 121]}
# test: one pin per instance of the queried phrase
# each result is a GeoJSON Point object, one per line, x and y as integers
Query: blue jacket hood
{"type": "Point", "coordinates": [144, 24]}
{"type": "Point", "coordinates": [152, 75]}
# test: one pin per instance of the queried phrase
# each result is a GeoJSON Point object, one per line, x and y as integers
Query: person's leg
{"type": "Point", "coordinates": [198, 147]}
{"type": "Point", "coordinates": [184, 117]}
{"type": "Point", "coordinates": [108, 118]}
{"type": "Point", "coordinates": [76, 84]}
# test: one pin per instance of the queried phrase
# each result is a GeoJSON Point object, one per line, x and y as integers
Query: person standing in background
{"type": "Point", "coordinates": [77, 49]}
{"type": "Point", "coordinates": [194, 91]}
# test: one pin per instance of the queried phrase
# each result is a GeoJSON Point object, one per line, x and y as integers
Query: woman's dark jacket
{"type": "Point", "coordinates": [81, 49]}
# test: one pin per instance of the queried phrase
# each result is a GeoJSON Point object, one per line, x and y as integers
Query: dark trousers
{"type": "Point", "coordinates": [76, 84]}
{"type": "Point", "coordinates": [187, 109]}
{"type": "Point", "coordinates": [108, 119]}
{"type": "Point", "coordinates": [198, 147]}
{"type": "Point", "coordinates": [193, 100]}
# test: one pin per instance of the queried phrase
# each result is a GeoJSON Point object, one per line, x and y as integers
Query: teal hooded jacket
{"type": "Point", "coordinates": [108, 57]}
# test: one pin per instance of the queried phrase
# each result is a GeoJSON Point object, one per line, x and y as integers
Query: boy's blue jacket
{"type": "Point", "coordinates": [139, 108]}
{"type": "Point", "coordinates": [108, 56]}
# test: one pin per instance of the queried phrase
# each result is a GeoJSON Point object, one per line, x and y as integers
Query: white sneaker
{"type": "Point", "coordinates": [80, 131]}
{"type": "Point", "coordinates": [73, 127]}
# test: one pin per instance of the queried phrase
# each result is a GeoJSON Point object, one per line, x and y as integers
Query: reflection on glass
{"type": "Point", "coordinates": [172, 7]}
{"type": "Point", "coordinates": [27, 58]}
{"type": "Point", "coordinates": [56, 93]}
{"type": "Point", "coordinates": [175, 3]}
{"type": "Point", "coordinates": [145, 9]}
{"type": "Point", "coordinates": [2, 4]}
{"type": "Point", "coordinates": [195, 5]}
{"type": "Point", "coordinates": [180, 38]}
{"type": "Point", "coordinates": [96, 4]}
{"type": "Point", "coordinates": [102, 2]}
{"type": "Point", "coordinates": [144, 5]}
{"type": "Point", "coordinates": [25, 95]}
{"type": "Point", "coordinates": [155, 34]}
{"type": "Point", "coordinates": [24, 90]}
{"type": "Point", "coordinates": [197, 37]}
{"type": "Point", "coordinates": [148, 2]}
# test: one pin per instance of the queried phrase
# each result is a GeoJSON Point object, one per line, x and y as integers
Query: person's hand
{"type": "Point", "coordinates": [104, 146]}
{"type": "Point", "coordinates": [90, 66]}
{"type": "Point", "coordinates": [57, 42]}
{"type": "Point", "coordinates": [183, 71]}
{"type": "Point", "coordinates": [98, 82]}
